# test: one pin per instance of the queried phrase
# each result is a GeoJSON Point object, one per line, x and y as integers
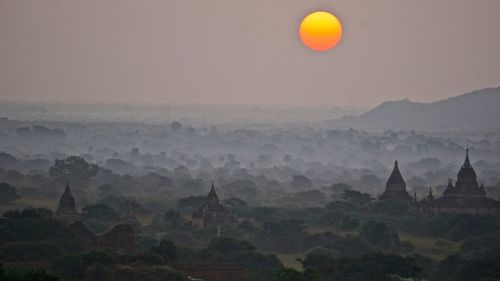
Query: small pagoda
{"type": "Point", "coordinates": [66, 211]}
{"type": "Point", "coordinates": [395, 188]}
{"type": "Point", "coordinates": [212, 212]}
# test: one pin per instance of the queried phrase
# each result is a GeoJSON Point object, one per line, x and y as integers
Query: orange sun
{"type": "Point", "coordinates": [320, 31]}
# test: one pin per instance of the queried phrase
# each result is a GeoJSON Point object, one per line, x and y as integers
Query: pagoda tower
{"type": "Point", "coordinates": [395, 188]}
{"type": "Point", "coordinates": [212, 212]}
{"type": "Point", "coordinates": [66, 211]}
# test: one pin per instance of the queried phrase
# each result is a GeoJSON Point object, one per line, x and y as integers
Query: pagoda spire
{"type": "Point", "coordinates": [66, 211]}
{"type": "Point", "coordinates": [430, 196]}
{"type": "Point", "coordinates": [395, 187]}
{"type": "Point", "coordinates": [396, 175]}
{"type": "Point", "coordinates": [212, 195]}
{"type": "Point", "coordinates": [467, 161]}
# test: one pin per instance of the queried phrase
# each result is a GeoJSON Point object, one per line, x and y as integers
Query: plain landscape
{"type": "Point", "coordinates": [302, 186]}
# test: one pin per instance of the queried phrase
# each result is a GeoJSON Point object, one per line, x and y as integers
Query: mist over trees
{"type": "Point", "coordinates": [305, 196]}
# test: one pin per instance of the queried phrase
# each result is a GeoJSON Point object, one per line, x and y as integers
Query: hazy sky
{"type": "Point", "coordinates": [245, 52]}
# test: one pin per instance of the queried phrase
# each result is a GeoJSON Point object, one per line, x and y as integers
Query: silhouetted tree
{"type": "Point", "coordinates": [380, 235]}
{"type": "Point", "coordinates": [172, 218]}
{"type": "Point", "coordinates": [73, 169]}
{"type": "Point", "coordinates": [168, 251]}
{"type": "Point", "coordinates": [8, 193]}
{"type": "Point", "coordinates": [356, 197]}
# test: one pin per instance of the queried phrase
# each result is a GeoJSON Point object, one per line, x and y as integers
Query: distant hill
{"type": "Point", "coordinates": [476, 110]}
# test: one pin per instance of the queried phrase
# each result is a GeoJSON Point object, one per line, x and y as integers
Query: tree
{"type": "Point", "coordinates": [380, 235]}
{"type": "Point", "coordinates": [2, 271]}
{"type": "Point", "coordinates": [229, 246]}
{"type": "Point", "coordinates": [149, 273]}
{"type": "Point", "coordinates": [28, 275]}
{"type": "Point", "coordinates": [101, 212]}
{"type": "Point", "coordinates": [7, 161]}
{"type": "Point", "coordinates": [172, 218]}
{"type": "Point", "coordinates": [449, 268]}
{"type": "Point", "coordinates": [168, 251]}
{"type": "Point", "coordinates": [230, 250]}
{"type": "Point", "coordinates": [350, 246]}
{"type": "Point", "coordinates": [320, 260]}
{"type": "Point", "coordinates": [290, 274]}
{"type": "Point", "coordinates": [348, 223]}
{"type": "Point", "coordinates": [245, 189]}
{"type": "Point", "coordinates": [8, 193]}
{"type": "Point", "coordinates": [235, 202]}
{"type": "Point", "coordinates": [74, 266]}
{"type": "Point", "coordinates": [105, 190]}
{"type": "Point", "coordinates": [338, 188]}
{"type": "Point", "coordinates": [481, 269]}
{"type": "Point", "coordinates": [99, 217]}
{"type": "Point", "coordinates": [310, 198]}
{"type": "Point", "coordinates": [369, 267]}
{"type": "Point", "coordinates": [191, 202]}
{"type": "Point", "coordinates": [73, 169]}
{"type": "Point", "coordinates": [29, 251]}
{"type": "Point", "coordinates": [34, 226]}
{"type": "Point", "coordinates": [390, 207]}
{"type": "Point", "coordinates": [29, 213]}
{"type": "Point", "coordinates": [356, 197]}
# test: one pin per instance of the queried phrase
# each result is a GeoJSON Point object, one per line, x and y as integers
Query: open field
{"type": "Point", "coordinates": [436, 249]}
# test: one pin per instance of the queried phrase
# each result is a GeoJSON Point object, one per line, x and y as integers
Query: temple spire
{"type": "Point", "coordinates": [467, 161]}
{"type": "Point", "coordinates": [430, 196]}
{"type": "Point", "coordinates": [212, 195]}
{"type": "Point", "coordinates": [396, 177]}
{"type": "Point", "coordinates": [395, 188]}
{"type": "Point", "coordinates": [66, 210]}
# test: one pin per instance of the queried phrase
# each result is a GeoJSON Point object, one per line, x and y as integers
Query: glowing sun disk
{"type": "Point", "coordinates": [320, 31]}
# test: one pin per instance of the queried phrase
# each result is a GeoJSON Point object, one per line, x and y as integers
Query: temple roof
{"type": "Point", "coordinates": [396, 177]}
{"type": "Point", "coordinates": [212, 195]}
{"type": "Point", "coordinates": [67, 191]}
{"type": "Point", "coordinates": [466, 173]}
{"type": "Point", "coordinates": [430, 196]}
{"type": "Point", "coordinates": [67, 204]}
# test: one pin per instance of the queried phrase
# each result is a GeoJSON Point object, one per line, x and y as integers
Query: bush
{"type": "Point", "coordinates": [74, 266]}
{"type": "Point", "coordinates": [150, 273]}
{"type": "Point", "coordinates": [390, 207]}
{"type": "Point", "coordinates": [351, 246]}
{"type": "Point", "coordinates": [380, 235]}
{"type": "Point", "coordinates": [30, 226]}
{"type": "Point", "coordinates": [29, 251]}
{"type": "Point", "coordinates": [167, 250]}
{"type": "Point", "coordinates": [229, 246]}
{"type": "Point", "coordinates": [99, 217]}
{"type": "Point", "coordinates": [8, 193]}
{"type": "Point", "coordinates": [369, 267]}
{"type": "Point", "coordinates": [478, 244]}
{"type": "Point", "coordinates": [28, 275]}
